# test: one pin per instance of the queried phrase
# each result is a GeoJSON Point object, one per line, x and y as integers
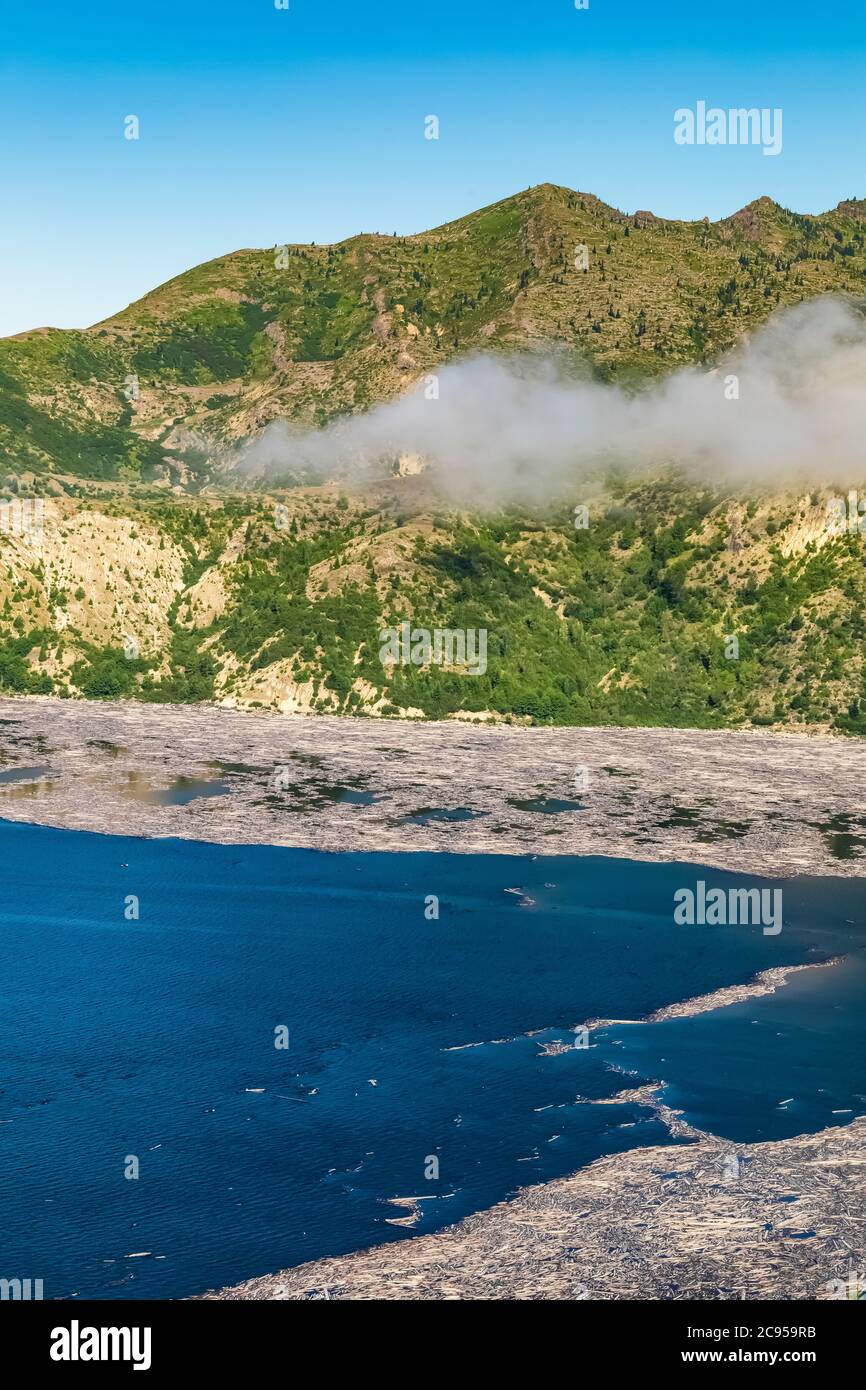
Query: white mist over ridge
{"type": "Point", "coordinates": [788, 404]}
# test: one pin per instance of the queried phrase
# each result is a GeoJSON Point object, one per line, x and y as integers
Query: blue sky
{"type": "Point", "coordinates": [262, 126]}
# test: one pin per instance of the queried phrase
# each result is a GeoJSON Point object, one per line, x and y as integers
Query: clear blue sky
{"type": "Point", "coordinates": [261, 126]}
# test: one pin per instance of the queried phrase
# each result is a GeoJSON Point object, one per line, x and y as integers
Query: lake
{"type": "Point", "coordinates": [152, 1038]}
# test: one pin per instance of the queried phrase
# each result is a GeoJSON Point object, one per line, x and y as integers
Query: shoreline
{"type": "Point", "coordinates": [777, 805]}
{"type": "Point", "coordinates": [763, 983]}
{"type": "Point", "coordinates": [550, 1240]}
{"type": "Point", "coordinates": [729, 1221]}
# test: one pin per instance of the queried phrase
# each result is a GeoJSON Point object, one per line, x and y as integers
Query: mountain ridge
{"type": "Point", "coordinates": [846, 207]}
{"type": "Point", "coordinates": [305, 332]}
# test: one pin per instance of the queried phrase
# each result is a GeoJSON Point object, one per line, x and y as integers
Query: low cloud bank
{"type": "Point", "coordinates": [789, 405]}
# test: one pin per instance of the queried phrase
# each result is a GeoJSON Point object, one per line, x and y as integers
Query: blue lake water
{"type": "Point", "coordinates": [155, 1038]}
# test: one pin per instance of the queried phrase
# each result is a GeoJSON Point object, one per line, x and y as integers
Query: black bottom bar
{"type": "Point", "coordinates": [164, 1339]}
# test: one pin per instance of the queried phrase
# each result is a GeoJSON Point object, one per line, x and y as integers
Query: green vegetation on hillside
{"type": "Point", "coordinates": [677, 605]}
{"type": "Point", "coordinates": [310, 332]}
